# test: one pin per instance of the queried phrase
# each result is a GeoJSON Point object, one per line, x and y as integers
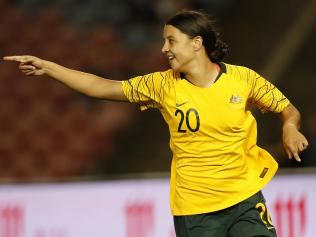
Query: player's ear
{"type": "Point", "coordinates": [197, 43]}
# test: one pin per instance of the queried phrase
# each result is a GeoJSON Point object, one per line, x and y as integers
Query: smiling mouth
{"type": "Point", "coordinates": [170, 57]}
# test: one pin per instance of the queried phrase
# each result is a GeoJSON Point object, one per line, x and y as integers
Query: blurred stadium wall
{"type": "Point", "coordinates": [50, 132]}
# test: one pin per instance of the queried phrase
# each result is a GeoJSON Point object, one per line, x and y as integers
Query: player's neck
{"type": "Point", "coordinates": [202, 73]}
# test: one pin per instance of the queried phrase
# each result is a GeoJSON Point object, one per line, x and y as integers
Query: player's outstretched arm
{"type": "Point", "coordinates": [294, 142]}
{"type": "Point", "coordinates": [85, 83]}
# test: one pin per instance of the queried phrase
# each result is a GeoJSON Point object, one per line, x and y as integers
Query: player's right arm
{"type": "Point", "coordinates": [85, 83]}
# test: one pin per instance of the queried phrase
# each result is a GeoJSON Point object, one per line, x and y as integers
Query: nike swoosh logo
{"type": "Point", "coordinates": [269, 228]}
{"type": "Point", "coordinates": [180, 104]}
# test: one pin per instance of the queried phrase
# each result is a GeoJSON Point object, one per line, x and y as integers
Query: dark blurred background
{"type": "Point", "coordinates": [48, 131]}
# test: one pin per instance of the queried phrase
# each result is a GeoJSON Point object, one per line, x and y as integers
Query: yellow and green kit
{"type": "Point", "coordinates": [213, 134]}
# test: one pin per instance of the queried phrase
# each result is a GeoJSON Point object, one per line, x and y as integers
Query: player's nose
{"type": "Point", "coordinates": [164, 48]}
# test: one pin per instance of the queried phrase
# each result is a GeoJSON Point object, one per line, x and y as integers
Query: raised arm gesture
{"type": "Point", "coordinates": [85, 83]}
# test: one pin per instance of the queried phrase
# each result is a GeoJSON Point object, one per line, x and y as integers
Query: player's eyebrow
{"type": "Point", "coordinates": [168, 37]}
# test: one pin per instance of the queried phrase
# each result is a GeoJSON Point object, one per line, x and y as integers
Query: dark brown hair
{"type": "Point", "coordinates": [197, 23]}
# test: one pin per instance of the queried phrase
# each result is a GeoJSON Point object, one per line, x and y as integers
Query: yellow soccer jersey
{"type": "Point", "coordinates": [216, 162]}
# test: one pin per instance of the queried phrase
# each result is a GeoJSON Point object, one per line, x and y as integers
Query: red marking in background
{"type": "Point", "coordinates": [278, 212]}
{"type": "Point", "coordinates": [286, 212]}
{"type": "Point", "coordinates": [290, 217]}
{"type": "Point", "coordinates": [139, 217]}
{"type": "Point", "coordinates": [302, 212]}
{"type": "Point", "coordinates": [11, 221]}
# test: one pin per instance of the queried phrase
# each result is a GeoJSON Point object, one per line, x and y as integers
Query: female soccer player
{"type": "Point", "coordinates": [217, 169]}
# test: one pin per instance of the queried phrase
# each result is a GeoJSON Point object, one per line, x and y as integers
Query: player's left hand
{"type": "Point", "coordinates": [294, 142]}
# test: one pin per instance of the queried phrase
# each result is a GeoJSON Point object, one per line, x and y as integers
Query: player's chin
{"type": "Point", "coordinates": [174, 66]}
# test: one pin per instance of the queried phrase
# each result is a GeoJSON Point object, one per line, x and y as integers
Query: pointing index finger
{"type": "Point", "coordinates": [13, 58]}
{"type": "Point", "coordinates": [21, 59]}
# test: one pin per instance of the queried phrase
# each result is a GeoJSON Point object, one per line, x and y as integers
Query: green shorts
{"type": "Point", "coordinates": [248, 218]}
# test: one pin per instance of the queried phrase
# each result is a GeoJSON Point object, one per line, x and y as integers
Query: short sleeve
{"type": "Point", "coordinates": [148, 91]}
{"type": "Point", "coordinates": [264, 94]}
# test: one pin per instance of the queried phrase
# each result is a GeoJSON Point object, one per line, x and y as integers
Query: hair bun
{"type": "Point", "coordinates": [219, 52]}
